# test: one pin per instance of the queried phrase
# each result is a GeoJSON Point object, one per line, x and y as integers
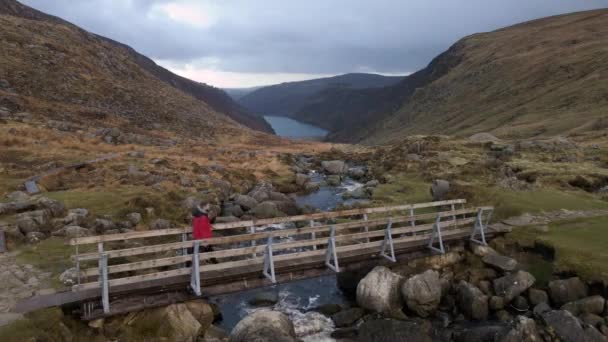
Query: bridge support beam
{"type": "Point", "coordinates": [331, 251]}
{"type": "Point", "coordinates": [269, 262]}
{"type": "Point", "coordinates": [480, 226]}
{"type": "Point", "coordinates": [436, 233]}
{"type": "Point", "coordinates": [388, 242]}
{"type": "Point", "coordinates": [195, 275]}
{"type": "Point", "coordinates": [103, 278]}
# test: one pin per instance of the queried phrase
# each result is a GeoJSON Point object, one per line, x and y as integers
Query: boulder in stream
{"type": "Point", "coordinates": [563, 291]}
{"type": "Point", "coordinates": [380, 291]}
{"type": "Point", "coordinates": [422, 293]}
{"type": "Point", "coordinates": [334, 167]}
{"type": "Point", "coordinates": [262, 326]}
{"type": "Point", "coordinates": [513, 284]}
{"type": "Point", "coordinates": [472, 301]}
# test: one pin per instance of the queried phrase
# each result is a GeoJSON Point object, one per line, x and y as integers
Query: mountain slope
{"type": "Point", "coordinates": [215, 98]}
{"type": "Point", "coordinates": [544, 77]}
{"type": "Point", "coordinates": [285, 99]}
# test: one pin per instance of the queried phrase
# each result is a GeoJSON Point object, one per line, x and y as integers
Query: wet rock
{"type": "Point", "coordinates": [512, 285]}
{"type": "Point", "coordinates": [567, 290]}
{"type": "Point", "coordinates": [523, 329]}
{"type": "Point", "coordinates": [520, 304]}
{"type": "Point", "coordinates": [500, 262]}
{"type": "Point", "coordinates": [279, 197]}
{"type": "Point", "coordinates": [380, 291]}
{"type": "Point", "coordinates": [266, 210]}
{"type": "Point", "coordinates": [540, 309]}
{"type": "Point", "coordinates": [592, 305]}
{"type": "Point", "coordinates": [134, 218]}
{"type": "Point", "coordinates": [333, 180]}
{"type": "Point", "coordinates": [537, 296]}
{"type": "Point", "coordinates": [160, 224]}
{"type": "Point", "coordinates": [345, 334]}
{"type": "Point", "coordinates": [34, 221]}
{"type": "Point", "coordinates": [479, 333]}
{"type": "Point", "coordinates": [391, 330]}
{"type": "Point", "coordinates": [503, 316]}
{"type": "Point", "coordinates": [101, 226]}
{"type": "Point", "coordinates": [472, 302]}
{"type": "Point", "coordinates": [246, 202]}
{"type": "Point", "coordinates": [347, 317]}
{"type": "Point", "coordinates": [440, 189]}
{"type": "Point", "coordinates": [328, 309]}
{"type": "Point", "coordinates": [496, 303]}
{"type": "Point", "coordinates": [568, 328]}
{"type": "Point", "coordinates": [357, 172]}
{"type": "Point", "coordinates": [180, 323]}
{"type": "Point", "coordinates": [265, 298]}
{"type": "Point", "coordinates": [301, 179]}
{"type": "Point", "coordinates": [264, 325]}
{"type": "Point", "coordinates": [312, 186]}
{"type": "Point", "coordinates": [334, 167]}
{"type": "Point", "coordinates": [422, 293]}
{"type": "Point", "coordinates": [591, 319]}
{"type": "Point", "coordinates": [202, 312]}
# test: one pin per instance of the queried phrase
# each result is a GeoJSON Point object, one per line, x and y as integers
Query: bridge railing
{"type": "Point", "coordinates": [256, 246]}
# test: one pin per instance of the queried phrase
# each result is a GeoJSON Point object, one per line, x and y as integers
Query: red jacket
{"type": "Point", "coordinates": [201, 227]}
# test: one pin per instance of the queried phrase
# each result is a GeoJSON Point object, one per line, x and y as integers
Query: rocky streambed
{"type": "Point", "coordinates": [472, 293]}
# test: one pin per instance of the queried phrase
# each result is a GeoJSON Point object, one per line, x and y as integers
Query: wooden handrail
{"type": "Point", "coordinates": [264, 235]}
{"type": "Point", "coordinates": [246, 224]}
{"type": "Point", "coordinates": [447, 235]}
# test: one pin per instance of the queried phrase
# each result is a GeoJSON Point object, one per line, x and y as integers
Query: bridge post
{"type": "Point", "coordinates": [388, 240]}
{"type": "Point", "coordinates": [103, 277]}
{"type": "Point", "coordinates": [479, 227]}
{"type": "Point", "coordinates": [331, 251]}
{"type": "Point", "coordinates": [436, 233]}
{"type": "Point", "coordinates": [184, 239]}
{"type": "Point", "coordinates": [195, 273]}
{"type": "Point", "coordinates": [454, 214]}
{"type": "Point", "coordinates": [313, 235]}
{"type": "Point", "coordinates": [412, 221]}
{"type": "Point", "coordinates": [2, 241]}
{"type": "Point", "coordinates": [366, 227]}
{"type": "Point", "coordinates": [253, 243]}
{"type": "Point", "coordinates": [268, 270]}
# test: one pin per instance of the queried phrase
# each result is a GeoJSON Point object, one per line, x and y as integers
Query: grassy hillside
{"type": "Point", "coordinates": [212, 97]}
{"type": "Point", "coordinates": [543, 77]}
{"type": "Point", "coordinates": [287, 99]}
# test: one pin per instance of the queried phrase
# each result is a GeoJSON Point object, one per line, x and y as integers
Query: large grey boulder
{"type": "Point", "coordinates": [34, 221]}
{"type": "Point", "coordinates": [103, 225]}
{"type": "Point", "coordinates": [18, 196]}
{"type": "Point", "coordinates": [76, 217]}
{"type": "Point", "coordinates": [537, 296]}
{"type": "Point", "coordinates": [391, 330]}
{"type": "Point", "coordinates": [440, 189]}
{"type": "Point", "coordinates": [513, 284]}
{"type": "Point", "coordinates": [357, 172]}
{"type": "Point", "coordinates": [72, 232]}
{"type": "Point", "coordinates": [246, 202]}
{"type": "Point", "coordinates": [500, 262]}
{"type": "Point", "coordinates": [523, 329]}
{"type": "Point", "coordinates": [266, 210]}
{"type": "Point", "coordinates": [134, 218]}
{"type": "Point", "coordinates": [563, 291]}
{"type": "Point", "coordinates": [334, 167]}
{"type": "Point", "coordinates": [380, 291]}
{"type": "Point", "coordinates": [471, 301]}
{"type": "Point", "coordinates": [264, 326]}
{"type": "Point", "coordinates": [55, 208]}
{"type": "Point", "coordinates": [422, 293]}
{"type": "Point", "coordinates": [568, 328]}
{"type": "Point", "coordinates": [261, 192]}
{"type": "Point", "coordinates": [590, 305]}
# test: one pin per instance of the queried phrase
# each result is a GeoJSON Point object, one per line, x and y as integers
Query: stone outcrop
{"type": "Point", "coordinates": [589, 305]}
{"type": "Point", "coordinates": [563, 291]}
{"type": "Point", "coordinates": [472, 302]}
{"type": "Point", "coordinates": [500, 262]}
{"type": "Point", "coordinates": [422, 293]}
{"type": "Point", "coordinates": [264, 325]}
{"type": "Point", "coordinates": [514, 284]}
{"type": "Point", "coordinates": [380, 291]}
{"type": "Point", "coordinates": [334, 167]}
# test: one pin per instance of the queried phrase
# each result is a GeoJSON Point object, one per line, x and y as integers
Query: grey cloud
{"type": "Point", "coordinates": [314, 36]}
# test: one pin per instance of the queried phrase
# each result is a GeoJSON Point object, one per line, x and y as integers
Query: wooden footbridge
{"type": "Point", "coordinates": [119, 273]}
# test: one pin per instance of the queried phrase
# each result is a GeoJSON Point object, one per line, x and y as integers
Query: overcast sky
{"type": "Point", "coordinates": [240, 43]}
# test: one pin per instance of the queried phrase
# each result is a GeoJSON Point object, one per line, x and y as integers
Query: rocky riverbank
{"type": "Point", "coordinates": [469, 294]}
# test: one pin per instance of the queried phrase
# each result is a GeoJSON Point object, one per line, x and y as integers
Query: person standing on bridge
{"type": "Point", "coordinates": [202, 228]}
